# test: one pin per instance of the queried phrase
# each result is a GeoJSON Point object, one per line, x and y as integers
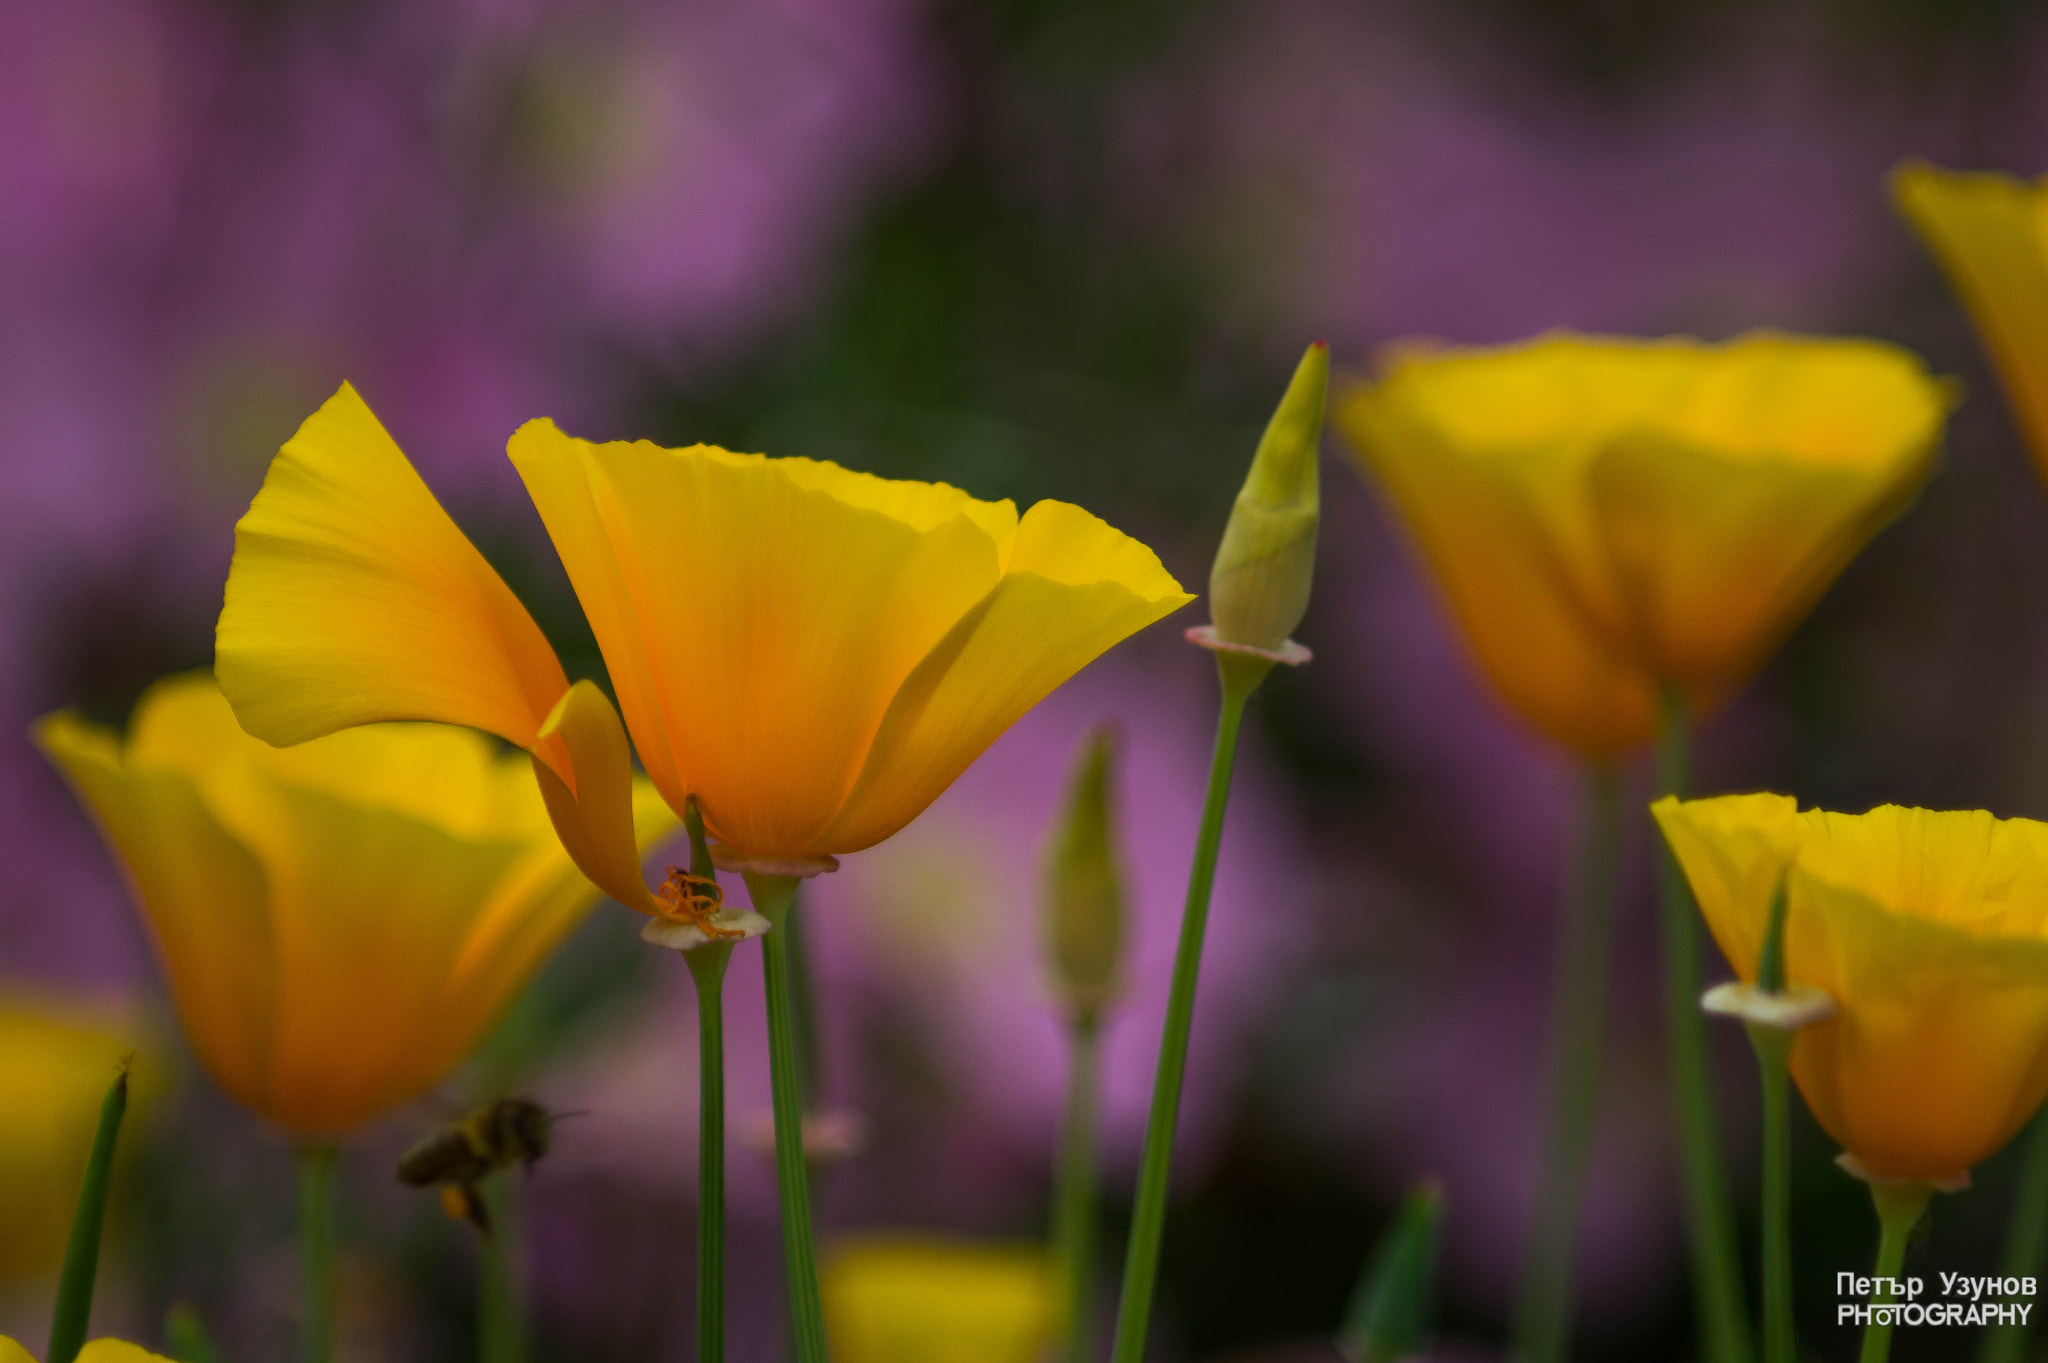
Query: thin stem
{"type": "Point", "coordinates": [1899, 1206]}
{"type": "Point", "coordinates": [774, 898]}
{"type": "Point", "coordinates": [316, 1251]}
{"type": "Point", "coordinates": [1773, 1046]}
{"type": "Point", "coordinates": [803, 1003]}
{"type": "Point", "coordinates": [1578, 1010]}
{"type": "Point", "coordinates": [1241, 676]}
{"type": "Point", "coordinates": [73, 1313]}
{"type": "Point", "coordinates": [2026, 1236]}
{"type": "Point", "coordinates": [1074, 1197]}
{"type": "Point", "coordinates": [707, 967]}
{"type": "Point", "coordinates": [1710, 1223]}
{"type": "Point", "coordinates": [500, 1295]}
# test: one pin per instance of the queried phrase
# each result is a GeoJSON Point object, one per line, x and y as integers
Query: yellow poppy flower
{"type": "Point", "coordinates": [1930, 932]}
{"type": "Point", "coordinates": [339, 921]}
{"type": "Point", "coordinates": [906, 1300]}
{"type": "Point", "coordinates": [98, 1351]}
{"type": "Point", "coordinates": [56, 1063]}
{"type": "Point", "coordinates": [1611, 516]}
{"type": "Point", "coordinates": [1987, 231]}
{"type": "Point", "coordinates": [813, 653]}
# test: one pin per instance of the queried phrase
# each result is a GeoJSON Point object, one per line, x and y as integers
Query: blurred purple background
{"type": "Point", "coordinates": [1052, 249]}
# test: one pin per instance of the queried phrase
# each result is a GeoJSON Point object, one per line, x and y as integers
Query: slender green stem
{"type": "Point", "coordinates": [316, 1251]}
{"type": "Point", "coordinates": [1074, 1215]}
{"type": "Point", "coordinates": [73, 1313]}
{"type": "Point", "coordinates": [1773, 1047]}
{"type": "Point", "coordinates": [803, 1004]}
{"type": "Point", "coordinates": [1899, 1206]}
{"type": "Point", "coordinates": [2026, 1236]}
{"type": "Point", "coordinates": [775, 898]}
{"type": "Point", "coordinates": [1710, 1223]}
{"type": "Point", "coordinates": [1241, 674]}
{"type": "Point", "coordinates": [707, 967]}
{"type": "Point", "coordinates": [500, 1293]}
{"type": "Point", "coordinates": [1578, 1010]}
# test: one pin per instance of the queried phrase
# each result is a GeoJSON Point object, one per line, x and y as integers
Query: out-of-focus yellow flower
{"type": "Point", "coordinates": [1990, 232]}
{"type": "Point", "coordinates": [813, 653]}
{"type": "Point", "coordinates": [1611, 516]}
{"type": "Point", "coordinates": [1929, 931]}
{"type": "Point", "coordinates": [56, 1062]}
{"type": "Point", "coordinates": [907, 1300]}
{"type": "Point", "coordinates": [98, 1351]}
{"type": "Point", "coordinates": [339, 921]}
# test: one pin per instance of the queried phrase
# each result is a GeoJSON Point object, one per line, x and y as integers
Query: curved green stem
{"type": "Point", "coordinates": [707, 968]}
{"type": "Point", "coordinates": [1074, 1215]}
{"type": "Point", "coordinates": [316, 1251]}
{"type": "Point", "coordinates": [73, 1313]}
{"type": "Point", "coordinates": [774, 897]}
{"type": "Point", "coordinates": [1773, 1047]}
{"type": "Point", "coordinates": [1241, 674]}
{"type": "Point", "coordinates": [1578, 1009]}
{"type": "Point", "coordinates": [2026, 1236]}
{"type": "Point", "coordinates": [500, 1296]}
{"type": "Point", "coordinates": [1710, 1223]}
{"type": "Point", "coordinates": [1899, 1206]}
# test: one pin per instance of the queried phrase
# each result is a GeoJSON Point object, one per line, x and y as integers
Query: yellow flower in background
{"type": "Point", "coordinates": [911, 1300]}
{"type": "Point", "coordinates": [1930, 932]}
{"type": "Point", "coordinates": [1610, 516]}
{"type": "Point", "coordinates": [338, 922]}
{"type": "Point", "coordinates": [815, 654]}
{"type": "Point", "coordinates": [1990, 233]}
{"type": "Point", "coordinates": [56, 1061]}
{"type": "Point", "coordinates": [98, 1351]}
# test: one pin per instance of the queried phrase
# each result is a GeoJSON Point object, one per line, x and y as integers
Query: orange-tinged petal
{"type": "Point", "coordinates": [596, 823]}
{"type": "Point", "coordinates": [1990, 233]}
{"type": "Point", "coordinates": [354, 598]}
{"type": "Point", "coordinates": [203, 894]}
{"type": "Point", "coordinates": [757, 614]}
{"type": "Point", "coordinates": [1734, 850]}
{"type": "Point", "coordinates": [1075, 587]}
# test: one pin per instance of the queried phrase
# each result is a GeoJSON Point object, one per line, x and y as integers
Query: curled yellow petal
{"type": "Point", "coordinates": [596, 821]}
{"type": "Point", "coordinates": [354, 598]}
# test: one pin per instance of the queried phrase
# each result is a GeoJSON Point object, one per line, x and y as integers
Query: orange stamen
{"type": "Point", "coordinates": [691, 900]}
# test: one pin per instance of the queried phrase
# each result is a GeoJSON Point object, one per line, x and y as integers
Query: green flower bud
{"type": "Point", "coordinates": [1084, 901]}
{"type": "Point", "coordinates": [1258, 588]}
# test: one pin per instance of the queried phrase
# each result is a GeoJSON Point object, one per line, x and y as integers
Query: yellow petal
{"type": "Point", "coordinates": [1939, 1051]}
{"type": "Point", "coordinates": [202, 892]}
{"type": "Point", "coordinates": [596, 823]}
{"type": "Point", "coordinates": [1734, 850]}
{"type": "Point", "coordinates": [1526, 610]}
{"type": "Point", "coordinates": [353, 598]}
{"type": "Point", "coordinates": [757, 615]}
{"type": "Point", "coordinates": [1075, 587]}
{"type": "Point", "coordinates": [116, 1351]}
{"type": "Point", "coordinates": [11, 1352]}
{"type": "Point", "coordinates": [906, 1300]}
{"type": "Point", "coordinates": [1990, 233]}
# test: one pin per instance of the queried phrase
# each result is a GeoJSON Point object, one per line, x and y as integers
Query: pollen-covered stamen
{"type": "Point", "coordinates": [692, 900]}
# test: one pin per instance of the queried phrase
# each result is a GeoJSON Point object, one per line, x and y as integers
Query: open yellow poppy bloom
{"type": "Point", "coordinates": [98, 1351]}
{"type": "Point", "coordinates": [1612, 516]}
{"type": "Point", "coordinates": [56, 1063]}
{"type": "Point", "coordinates": [1930, 932]}
{"type": "Point", "coordinates": [815, 654]}
{"type": "Point", "coordinates": [1990, 233]}
{"type": "Point", "coordinates": [339, 921]}
{"type": "Point", "coordinates": [907, 1300]}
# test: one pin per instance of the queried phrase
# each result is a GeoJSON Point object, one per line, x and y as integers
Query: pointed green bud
{"type": "Point", "coordinates": [1258, 588]}
{"type": "Point", "coordinates": [1084, 900]}
{"type": "Point", "coordinates": [1389, 1314]}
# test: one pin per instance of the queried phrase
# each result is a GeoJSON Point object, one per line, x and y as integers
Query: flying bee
{"type": "Point", "coordinates": [508, 1132]}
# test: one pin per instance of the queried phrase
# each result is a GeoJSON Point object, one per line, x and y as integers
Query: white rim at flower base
{"type": "Point", "coordinates": [728, 858]}
{"type": "Point", "coordinates": [664, 932]}
{"type": "Point", "coordinates": [1852, 1166]}
{"type": "Point", "coordinates": [1788, 1009]}
{"type": "Point", "coordinates": [1290, 653]}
